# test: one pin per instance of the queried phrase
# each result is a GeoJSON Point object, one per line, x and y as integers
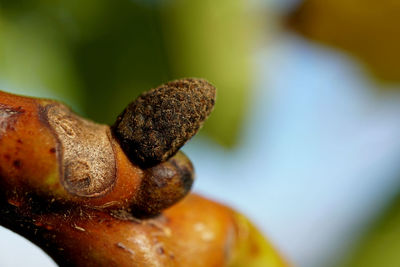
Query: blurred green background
{"type": "Point", "coordinates": [97, 56]}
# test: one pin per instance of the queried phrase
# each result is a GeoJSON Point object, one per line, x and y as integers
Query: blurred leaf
{"type": "Point", "coordinates": [252, 249]}
{"type": "Point", "coordinates": [33, 60]}
{"type": "Point", "coordinates": [213, 40]}
{"type": "Point", "coordinates": [367, 29]}
{"type": "Point", "coordinates": [114, 47]}
{"type": "Point", "coordinates": [121, 58]}
{"type": "Point", "coordinates": [106, 52]}
{"type": "Point", "coordinates": [381, 245]}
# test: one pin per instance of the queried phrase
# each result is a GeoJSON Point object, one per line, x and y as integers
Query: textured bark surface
{"type": "Point", "coordinates": [86, 152]}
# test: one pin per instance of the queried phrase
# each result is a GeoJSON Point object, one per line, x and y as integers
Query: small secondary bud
{"type": "Point", "coordinates": [164, 185]}
{"type": "Point", "coordinates": [159, 122]}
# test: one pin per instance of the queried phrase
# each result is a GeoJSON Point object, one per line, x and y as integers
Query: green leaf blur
{"type": "Point", "coordinates": [99, 55]}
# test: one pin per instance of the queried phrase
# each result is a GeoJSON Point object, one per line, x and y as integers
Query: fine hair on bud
{"type": "Point", "coordinates": [160, 121]}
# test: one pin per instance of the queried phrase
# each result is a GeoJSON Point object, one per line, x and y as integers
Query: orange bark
{"type": "Point", "coordinates": [100, 229]}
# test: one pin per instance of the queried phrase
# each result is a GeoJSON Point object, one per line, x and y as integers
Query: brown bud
{"type": "Point", "coordinates": [164, 185]}
{"type": "Point", "coordinates": [159, 122]}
